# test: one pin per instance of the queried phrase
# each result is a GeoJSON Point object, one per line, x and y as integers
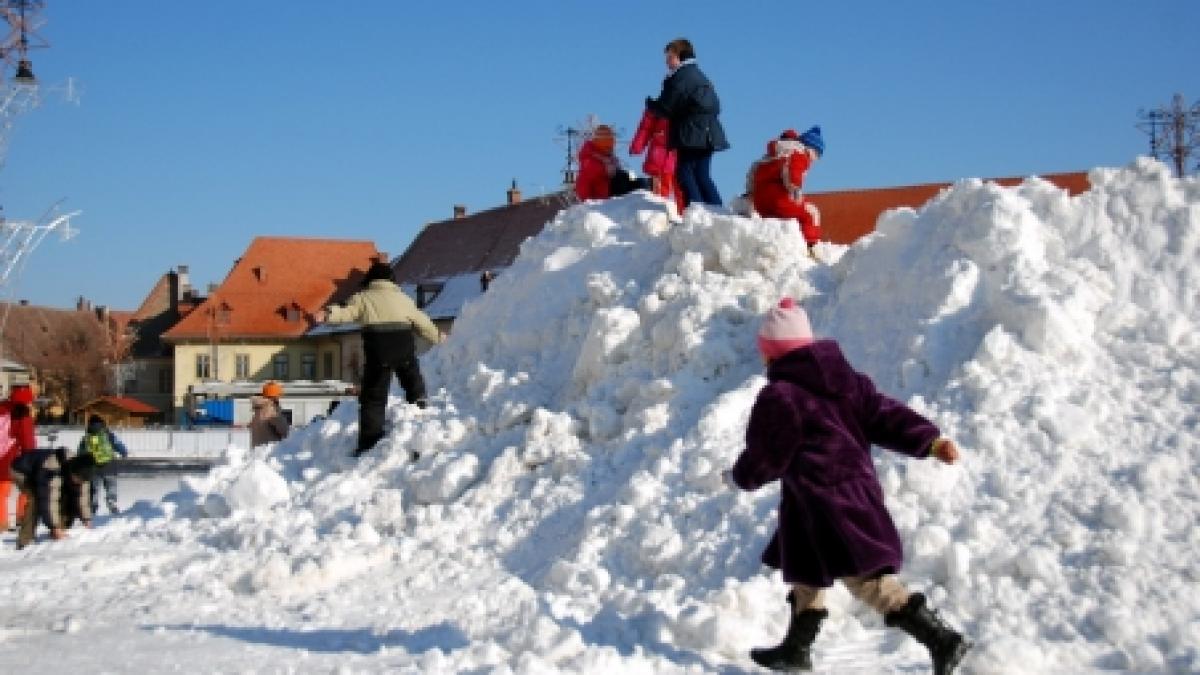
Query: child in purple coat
{"type": "Point", "coordinates": [812, 428]}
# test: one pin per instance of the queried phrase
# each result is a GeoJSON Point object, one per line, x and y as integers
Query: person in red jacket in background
{"type": "Point", "coordinates": [600, 172]}
{"type": "Point", "coordinates": [651, 138]}
{"type": "Point", "coordinates": [774, 182]}
{"type": "Point", "coordinates": [597, 164]}
{"type": "Point", "coordinates": [16, 437]}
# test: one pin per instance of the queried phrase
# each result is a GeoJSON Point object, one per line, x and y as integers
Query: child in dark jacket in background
{"type": "Point", "coordinates": [812, 428]}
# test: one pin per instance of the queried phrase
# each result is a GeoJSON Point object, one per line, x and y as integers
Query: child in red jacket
{"type": "Point", "coordinates": [597, 164]}
{"type": "Point", "coordinates": [774, 182]}
{"type": "Point", "coordinates": [600, 173]}
{"type": "Point", "coordinates": [18, 437]}
{"type": "Point", "coordinates": [651, 138]}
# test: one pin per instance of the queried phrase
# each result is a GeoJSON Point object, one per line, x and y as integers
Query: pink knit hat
{"type": "Point", "coordinates": [785, 328]}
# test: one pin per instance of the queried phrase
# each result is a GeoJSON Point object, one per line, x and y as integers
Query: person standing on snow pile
{"type": "Point", "coordinates": [774, 182]}
{"type": "Point", "coordinates": [692, 107]}
{"type": "Point", "coordinates": [268, 424]}
{"type": "Point", "coordinates": [57, 490]}
{"type": "Point", "coordinates": [812, 427]}
{"type": "Point", "coordinates": [17, 436]}
{"type": "Point", "coordinates": [652, 138]}
{"type": "Point", "coordinates": [103, 445]}
{"type": "Point", "coordinates": [390, 323]}
{"type": "Point", "coordinates": [600, 172]}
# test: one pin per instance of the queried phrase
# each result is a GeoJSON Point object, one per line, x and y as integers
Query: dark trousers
{"type": "Point", "coordinates": [29, 514]}
{"type": "Point", "coordinates": [387, 353]}
{"type": "Point", "coordinates": [692, 172]}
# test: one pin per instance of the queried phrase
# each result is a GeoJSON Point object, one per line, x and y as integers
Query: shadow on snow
{"type": "Point", "coordinates": [443, 636]}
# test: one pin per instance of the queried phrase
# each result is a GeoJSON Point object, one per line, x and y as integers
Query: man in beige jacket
{"type": "Point", "coordinates": [390, 321]}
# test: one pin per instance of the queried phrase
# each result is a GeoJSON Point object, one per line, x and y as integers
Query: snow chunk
{"type": "Point", "coordinates": [257, 487]}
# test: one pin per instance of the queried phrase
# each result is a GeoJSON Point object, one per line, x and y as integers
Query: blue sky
{"type": "Point", "coordinates": [202, 125]}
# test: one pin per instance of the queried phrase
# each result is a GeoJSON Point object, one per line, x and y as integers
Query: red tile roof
{"type": "Point", "coordinates": [849, 214]}
{"type": "Point", "coordinates": [274, 275]}
{"type": "Point", "coordinates": [491, 239]}
{"type": "Point", "coordinates": [157, 301]}
{"type": "Point", "coordinates": [127, 403]}
{"type": "Point", "coordinates": [158, 312]}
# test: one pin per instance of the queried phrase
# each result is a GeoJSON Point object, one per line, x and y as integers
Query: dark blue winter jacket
{"type": "Point", "coordinates": [58, 498]}
{"type": "Point", "coordinates": [690, 102]}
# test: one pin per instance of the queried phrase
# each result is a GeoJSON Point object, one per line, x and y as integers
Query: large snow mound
{"type": "Point", "coordinates": [559, 507]}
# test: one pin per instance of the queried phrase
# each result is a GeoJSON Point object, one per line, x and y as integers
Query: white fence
{"type": "Point", "coordinates": [206, 443]}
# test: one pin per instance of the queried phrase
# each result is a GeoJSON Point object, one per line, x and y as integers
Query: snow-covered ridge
{"type": "Point", "coordinates": [559, 509]}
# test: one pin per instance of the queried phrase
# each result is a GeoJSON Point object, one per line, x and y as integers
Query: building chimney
{"type": "Point", "coordinates": [212, 287]}
{"type": "Point", "coordinates": [24, 303]}
{"type": "Point", "coordinates": [185, 284]}
{"type": "Point", "coordinates": [514, 194]}
{"type": "Point", "coordinates": [460, 211]}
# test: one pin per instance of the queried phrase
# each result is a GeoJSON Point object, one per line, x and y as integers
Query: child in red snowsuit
{"type": "Point", "coordinates": [774, 182]}
{"type": "Point", "coordinates": [597, 164]}
{"type": "Point", "coordinates": [651, 138]}
{"type": "Point", "coordinates": [18, 437]}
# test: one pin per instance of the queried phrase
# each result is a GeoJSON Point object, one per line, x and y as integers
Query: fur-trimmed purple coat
{"type": "Point", "coordinates": [812, 427]}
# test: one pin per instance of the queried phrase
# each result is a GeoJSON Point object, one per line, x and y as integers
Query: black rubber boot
{"type": "Point", "coordinates": [946, 645]}
{"type": "Point", "coordinates": [794, 652]}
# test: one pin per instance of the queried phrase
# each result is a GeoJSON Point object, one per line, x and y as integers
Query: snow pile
{"type": "Point", "coordinates": [558, 508]}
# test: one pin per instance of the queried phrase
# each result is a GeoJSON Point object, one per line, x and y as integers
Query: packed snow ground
{"type": "Point", "coordinates": [559, 507]}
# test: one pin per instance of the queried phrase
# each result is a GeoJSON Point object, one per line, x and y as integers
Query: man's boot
{"type": "Point", "coordinates": [946, 645]}
{"type": "Point", "coordinates": [793, 653]}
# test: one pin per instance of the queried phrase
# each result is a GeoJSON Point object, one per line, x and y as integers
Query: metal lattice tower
{"type": "Point", "coordinates": [24, 18]}
{"type": "Point", "coordinates": [1174, 132]}
{"type": "Point", "coordinates": [21, 93]}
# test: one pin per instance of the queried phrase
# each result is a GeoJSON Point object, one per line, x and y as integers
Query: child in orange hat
{"type": "Point", "coordinates": [268, 424]}
{"type": "Point", "coordinates": [600, 172]}
{"type": "Point", "coordinates": [597, 164]}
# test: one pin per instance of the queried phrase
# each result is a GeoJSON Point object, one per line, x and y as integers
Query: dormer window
{"type": "Point", "coordinates": [260, 273]}
{"type": "Point", "coordinates": [223, 314]}
{"type": "Point", "coordinates": [292, 312]}
{"type": "Point", "coordinates": [426, 293]}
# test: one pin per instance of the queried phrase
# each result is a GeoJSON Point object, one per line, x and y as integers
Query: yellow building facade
{"type": "Point", "coordinates": [328, 358]}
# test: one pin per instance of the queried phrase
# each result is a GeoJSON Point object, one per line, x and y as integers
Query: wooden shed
{"type": "Point", "coordinates": [118, 411]}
